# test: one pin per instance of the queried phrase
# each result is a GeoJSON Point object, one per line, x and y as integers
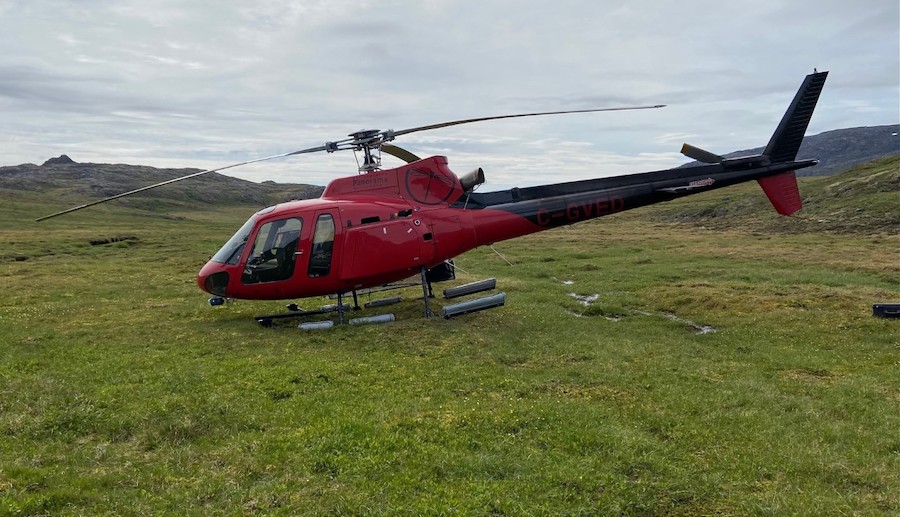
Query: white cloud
{"type": "Point", "coordinates": [204, 84]}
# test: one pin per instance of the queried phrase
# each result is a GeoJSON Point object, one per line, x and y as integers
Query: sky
{"type": "Point", "coordinates": [205, 84]}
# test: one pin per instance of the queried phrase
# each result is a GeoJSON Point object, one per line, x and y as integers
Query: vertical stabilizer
{"type": "Point", "coordinates": [781, 189]}
{"type": "Point", "coordinates": [786, 140]}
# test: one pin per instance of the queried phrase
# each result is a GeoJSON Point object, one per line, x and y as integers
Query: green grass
{"type": "Point", "coordinates": [123, 392]}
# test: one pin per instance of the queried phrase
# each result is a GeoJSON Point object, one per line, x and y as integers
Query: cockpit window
{"type": "Point", "coordinates": [231, 251]}
{"type": "Point", "coordinates": [273, 254]}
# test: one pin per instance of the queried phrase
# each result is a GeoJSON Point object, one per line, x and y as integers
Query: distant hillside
{"type": "Point", "coordinates": [69, 182]}
{"type": "Point", "coordinates": [841, 149]}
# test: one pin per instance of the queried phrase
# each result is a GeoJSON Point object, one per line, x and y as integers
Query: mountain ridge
{"type": "Point", "coordinates": [71, 182]}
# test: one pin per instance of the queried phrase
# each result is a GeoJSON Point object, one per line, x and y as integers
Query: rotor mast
{"type": "Point", "coordinates": [368, 142]}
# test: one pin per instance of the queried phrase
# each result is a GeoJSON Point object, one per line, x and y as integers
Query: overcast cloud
{"type": "Point", "coordinates": [208, 83]}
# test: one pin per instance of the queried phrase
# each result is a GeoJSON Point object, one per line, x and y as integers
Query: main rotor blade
{"type": "Point", "coordinates": [391, 134]}
{"type": "Point", "coordinates": [399, 152]}
{"type": "Point", "coordinates": [194, 175]}
{"type": "Point", "coordinates": [330, 147]}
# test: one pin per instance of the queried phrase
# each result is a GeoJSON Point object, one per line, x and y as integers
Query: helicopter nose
{"type": "Point", "coordinates": [213, 280]}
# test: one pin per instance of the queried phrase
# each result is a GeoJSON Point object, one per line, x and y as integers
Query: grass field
{"type": "Point", "coordinates": [122, 392]}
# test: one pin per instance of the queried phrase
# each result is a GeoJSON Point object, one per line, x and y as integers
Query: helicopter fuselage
{"type": "Point", "coordinates": [384, 226]}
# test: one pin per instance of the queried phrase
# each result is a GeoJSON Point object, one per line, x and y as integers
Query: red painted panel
{"type": "Point", "coordinates": [783, 192]}
{"type": "Point", "coordinates": [382, 248]}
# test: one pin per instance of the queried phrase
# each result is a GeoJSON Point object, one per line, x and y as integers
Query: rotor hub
{"type": "Point", "coordinates": [366, 137]}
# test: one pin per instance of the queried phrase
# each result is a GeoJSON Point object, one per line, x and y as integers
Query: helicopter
{"type": "Point", "coordinates": [385, 225]}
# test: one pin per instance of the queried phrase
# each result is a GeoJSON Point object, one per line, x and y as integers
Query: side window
{"type": "Point", "coordinates": [272, 256]}
{"type": "Point", "coordinates": [322, 245]}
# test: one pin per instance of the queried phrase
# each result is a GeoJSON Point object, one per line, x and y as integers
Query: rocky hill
{"type": "Point", "coordinates": [69, 182]}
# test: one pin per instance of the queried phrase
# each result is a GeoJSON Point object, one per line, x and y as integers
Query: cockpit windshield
{"type": "Point", "coordinates": [231, 251]}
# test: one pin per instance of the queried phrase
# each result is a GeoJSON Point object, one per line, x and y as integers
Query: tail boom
{"type": "Point", "coordinates": [498, 216]}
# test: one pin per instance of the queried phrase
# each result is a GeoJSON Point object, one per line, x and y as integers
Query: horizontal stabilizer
{"type": "Point", "coordinates": [783, 192]}
{"type": "Point", "coordinates": [701, 155]}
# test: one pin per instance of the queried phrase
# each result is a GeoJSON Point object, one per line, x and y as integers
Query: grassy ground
{"type": "Point", "coordinates": [122, 392]}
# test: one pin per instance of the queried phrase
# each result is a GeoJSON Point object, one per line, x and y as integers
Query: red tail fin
{"type": "Point", "coordinates": [782, 191]}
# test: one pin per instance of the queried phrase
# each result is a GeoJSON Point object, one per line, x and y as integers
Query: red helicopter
{"type": "Point", "coordinates": [386, 225]}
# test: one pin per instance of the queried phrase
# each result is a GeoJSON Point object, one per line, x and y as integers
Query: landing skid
{"type": "Point", "coordinates": [268, 320]}
{"type": "Point", "coordinates": [426, 277]}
